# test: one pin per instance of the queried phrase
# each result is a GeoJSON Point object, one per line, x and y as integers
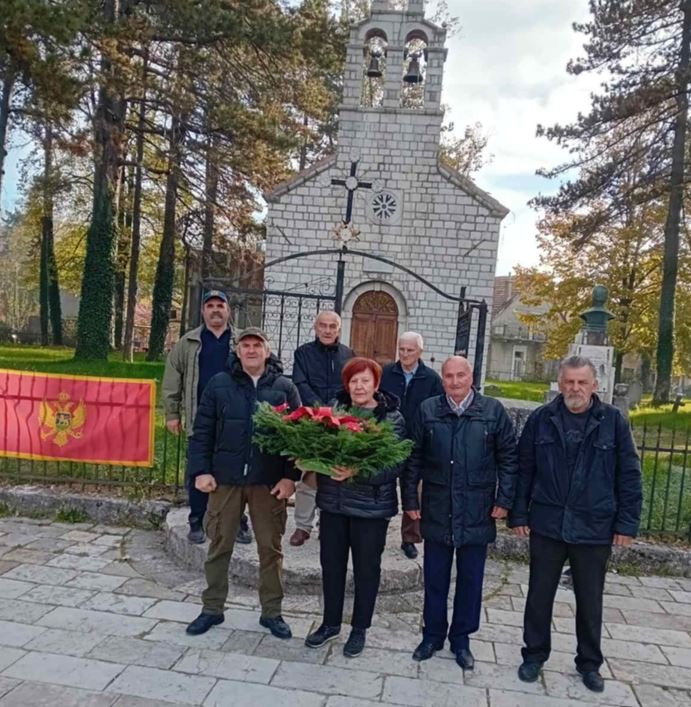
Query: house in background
{"type": "Point", "coordinates": [516, 349]}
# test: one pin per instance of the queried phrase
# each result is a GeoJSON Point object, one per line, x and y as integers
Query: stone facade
{"type": "Point", "coordinates": [413, 211]}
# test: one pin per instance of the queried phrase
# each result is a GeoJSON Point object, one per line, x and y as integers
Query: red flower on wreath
{"type": "Point", "coordinates": [324, 415]}
{"type": "Point", "coordinates": [281, 408]}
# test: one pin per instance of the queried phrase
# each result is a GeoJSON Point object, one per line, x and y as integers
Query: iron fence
{"type": "Point", "coordinates": [665, 460]}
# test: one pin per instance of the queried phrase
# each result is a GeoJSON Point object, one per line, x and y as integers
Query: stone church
{"type": "Point", "coordinates": [386, 194]}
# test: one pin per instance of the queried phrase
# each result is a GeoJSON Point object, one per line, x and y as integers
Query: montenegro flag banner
{"type": "Point", "coordinates": [77, 418]}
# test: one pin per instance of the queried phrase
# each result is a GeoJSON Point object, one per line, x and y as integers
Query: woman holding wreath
{"type": "Point", "coordinates": [355, 514]}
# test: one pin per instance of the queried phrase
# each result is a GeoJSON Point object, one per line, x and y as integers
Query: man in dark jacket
{"type": "Point", "coordinates": [579, 492]}
{"type": "Point", "coordinates": [317, 368]}
{"type": "Point", "coordinates": [412, 383]}
{"type": "Point", "coordinates": [234, 472]}
{"type": "Point", "coordinates": [465, 455]}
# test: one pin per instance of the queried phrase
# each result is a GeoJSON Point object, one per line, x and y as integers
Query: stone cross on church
{"type": "Point", "coordinates": [418, 213]}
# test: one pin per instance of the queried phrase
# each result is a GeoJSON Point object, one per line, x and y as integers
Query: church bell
{"type": "Point", "coordinates": [413, 74]}
{"type": "Point", "coordinates": [374, 69]}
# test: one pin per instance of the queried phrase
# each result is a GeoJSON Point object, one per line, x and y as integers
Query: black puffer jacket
{"type": "Point", "coordinates": [365, 498]}
{"type": "Point", "coordinates": [221, 443]}
{"type": "Point", "coordinates": [317, 371]}
{"type": "Point", "coordinates": [467, 464]}
{"type": "Point", "coordinates": [603, 495]}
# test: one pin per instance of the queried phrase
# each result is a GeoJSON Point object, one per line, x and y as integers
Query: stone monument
{"type": "Point", "coordinates": [592, 342]}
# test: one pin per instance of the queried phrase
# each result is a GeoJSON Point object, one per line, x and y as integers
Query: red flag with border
{"type": "Point", "coordinates": [77, 418]}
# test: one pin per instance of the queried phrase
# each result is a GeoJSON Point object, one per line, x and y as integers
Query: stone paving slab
{"type": "Point", "coordinates": [72, 633]}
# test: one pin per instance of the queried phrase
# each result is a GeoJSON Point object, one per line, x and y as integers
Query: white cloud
{"type": "Point", "coordinates": [507, 69]}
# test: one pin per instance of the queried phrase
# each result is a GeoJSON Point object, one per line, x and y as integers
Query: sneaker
{"type": "Point", "coordinates": [244, 534]}
{"type": "Point", "coordinates": [355, 643]}
{"type": "Point", "coordinates": [593, 680]}
{"type": "Point", "coordinates": [409, 550]}
{"type": "Point", "coordinates": [203, 623]}
{"type": "Point", "coordinates": [196, 535]}
{"type": "Point", "coordinates": [277, 626]}
{"type": "Point", "coordinates": [299, 537]}
{"type": "Point", "coordinates": [322, 635]}
{"type": "Point", "coordinates": [529, 672]}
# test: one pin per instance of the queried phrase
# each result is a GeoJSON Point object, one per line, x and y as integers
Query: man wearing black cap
{"type": "Point", "coordinates": [226, 464]}
{"type": "Point", "coordinates": [198, 356]}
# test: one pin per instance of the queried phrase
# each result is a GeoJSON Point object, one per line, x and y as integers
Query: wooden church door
{"type": "Point", "coordinates": [374, 329]}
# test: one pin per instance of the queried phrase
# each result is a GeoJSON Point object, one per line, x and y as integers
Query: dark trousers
{"type": "Point", "coordinates": [410, 529]}
{"type": "Point", "coordinates": [339, 535]}
{"type": "Point", "coordinates": [588, 567]}
{"type": "Point", "coordinates": [467, 603]}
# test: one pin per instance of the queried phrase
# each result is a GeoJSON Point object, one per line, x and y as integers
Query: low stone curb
{"type": "Point", "coordinates": [37, 501]}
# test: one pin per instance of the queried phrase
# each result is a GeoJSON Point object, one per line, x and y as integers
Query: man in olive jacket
{"type": "Point", "coordinates": [465, 455]}
{"type": "Point", "coordinates": [579, 492]}
{"type": "Point", "coordinates": [198, 356]}
{"type": "Point", "coordinates": [226, 464]}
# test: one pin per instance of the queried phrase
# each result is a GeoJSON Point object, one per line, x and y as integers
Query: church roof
{"type": "Point", "coordinates": [456, 178]}
{"type": "Point", "coordinates": [470, 188]}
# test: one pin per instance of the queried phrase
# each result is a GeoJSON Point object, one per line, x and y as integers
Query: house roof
{"type": "Point", "coordinates": [455, 177]}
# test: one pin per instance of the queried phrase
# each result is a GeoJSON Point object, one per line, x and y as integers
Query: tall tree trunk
{"type": "Point", "coordinates": [96, 306]}
{"type": "Point", "coordinates": [128, 344]}
{"type": "Point", "coordinates": [670, 262]}
{"type": "Point", "coordinates": [123, 254]}
{"type": "Point", "coordinates": [210, 199]}
{"type": "Point", "coordinates": [43, 305]}
{"type": "Point", "coordinates": [618, 361]}
{"type": "Point", "coordinates": [53, 283]}
{"type": "Point", "coordinates": [165, 269]}
{"type": "Point", "coordinates": [8, 80]}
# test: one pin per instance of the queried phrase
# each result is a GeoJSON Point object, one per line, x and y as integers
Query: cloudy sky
{"type": "Point", "coordinates": [506, 69]}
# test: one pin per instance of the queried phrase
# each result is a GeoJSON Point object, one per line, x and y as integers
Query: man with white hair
{"type": "Point", "coordinates": [578, 493]}
{"type": "Point", "coordinates": [412, 382]}
{"type": "Point", "coordinates": [317, 368]}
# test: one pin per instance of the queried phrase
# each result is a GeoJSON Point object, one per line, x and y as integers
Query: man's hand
{"type": "Point", "coordinates": [174, 426]}
{"type": "Point", "coordinates": [523, 531]}
{"type": "Point", "coordinates": [414, 515]}
{"type": "Point", "coordinates": [499, 512]}
{"type": "Point", "coordinates": [622, 540]}
{"type": "Point", "coordinates": [284, 489]}
{"type": "Point", "coordinates": [205, 483]}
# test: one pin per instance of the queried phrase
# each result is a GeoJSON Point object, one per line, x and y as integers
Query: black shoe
{"type": "Point", "coordinates": [465, 658]}
{"type": "Point", "coordinates": [277, 626]}
{"type": "Point", "coordinates": [426, 650]}
{"type": "Point", "coordinates": [244, 534]}
{"type": "Point", "coordinates": [529, 672]}
{"type": "Point", "coordinates": [322, 635]}
{"type": "Point", "coordinates": [203, 623]}
{"type": "Point", "coordinates": [409, 550]}
{"type": "Point", "coordinates": [196, 535]}
{"type": "Point", "coordinates": [355, 643]}
{"type": "Point", "coordinates": [593, 680]}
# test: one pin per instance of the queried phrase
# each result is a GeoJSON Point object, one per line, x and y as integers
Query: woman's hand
{"type": "Point", "coordinates": [341, 473]}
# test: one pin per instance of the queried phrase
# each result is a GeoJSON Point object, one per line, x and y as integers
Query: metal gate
{"type": "Point", "coordinates": [287, 315]}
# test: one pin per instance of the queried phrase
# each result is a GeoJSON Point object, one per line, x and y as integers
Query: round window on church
{"type": "Point", "coordinates": [384, 205]}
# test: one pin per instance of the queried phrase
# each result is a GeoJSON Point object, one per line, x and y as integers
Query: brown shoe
{"type": "Point", "coordinates": [299, 537]}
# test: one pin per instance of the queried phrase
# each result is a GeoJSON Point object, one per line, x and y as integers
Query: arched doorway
{"type": "Point", "coordinates": [374, 327]}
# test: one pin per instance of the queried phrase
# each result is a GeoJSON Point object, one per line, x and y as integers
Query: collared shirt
{"type": "Point", "coordinates": [461, 407]}
{"type": "Point", "coordinates": [409, 375]}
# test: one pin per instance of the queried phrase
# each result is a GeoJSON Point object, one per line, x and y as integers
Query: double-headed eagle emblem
{"type": "Point", "coordinates": [62, 419]}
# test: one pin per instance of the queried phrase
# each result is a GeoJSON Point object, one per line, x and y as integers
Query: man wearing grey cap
{"type": "Point", "coordinates": [225, 463]}
{"type": "Point", "coordinates": [198, 356]}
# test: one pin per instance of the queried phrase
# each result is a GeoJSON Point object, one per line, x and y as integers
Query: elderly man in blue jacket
{"type": "Point", "coordinates": [317, 368]}
{"type": "Point", "coordinates": [465, 455]}
{"type": "Point", "coordinates": [579, 493]}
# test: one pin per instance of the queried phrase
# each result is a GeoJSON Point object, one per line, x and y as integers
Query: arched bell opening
{"type": "Point", "coordinates": [414, 70]}
{"type": "Point", "coordinates": [374, 69]}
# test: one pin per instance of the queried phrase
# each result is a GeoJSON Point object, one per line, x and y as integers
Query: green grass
{"type": "Point", "coordinates": [517, 390]}
{"type": "Point", "coordinates": [666, 495]}
{"type": "Point", "coordinates": [61, 360]}
{"type": "Point", "coordinates": [71, 515]}
{"type": "Point", "coordinates": [652, 417]}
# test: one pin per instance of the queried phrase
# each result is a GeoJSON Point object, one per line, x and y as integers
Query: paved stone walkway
{"type": "Point", "coordinates": [94, 616]}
